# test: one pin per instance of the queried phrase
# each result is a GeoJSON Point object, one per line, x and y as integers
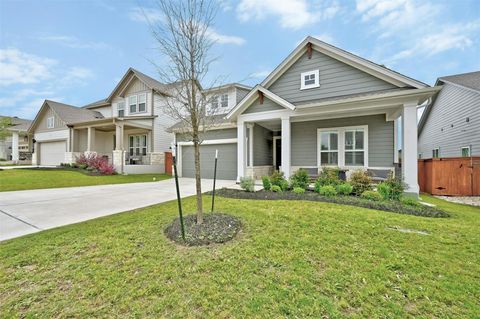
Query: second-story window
{"type": "Point", "coordinates": [50, 122]}
{"type": "Point", "coordinates": [224, 100]}
{"type": "Point", "coordinates": [121, 109]}
{"type": "Point", "coordinates": [310, 79]}
{"type": "Point", "coordinates": [132, 102]}
{"type": "Point", "coordinates": [142, 102]}
{"type": "Point", "coordinates": [215, 102]}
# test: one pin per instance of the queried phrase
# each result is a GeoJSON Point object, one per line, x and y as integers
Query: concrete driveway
{"type": "Point", "coordinates": [25, 212]}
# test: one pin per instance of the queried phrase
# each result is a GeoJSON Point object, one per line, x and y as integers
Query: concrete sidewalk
{"type": "Point", "coordinates": [30, 211]}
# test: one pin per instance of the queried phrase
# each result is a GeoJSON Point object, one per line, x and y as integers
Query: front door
{"type": "Point", "coordinates": [277, 149]}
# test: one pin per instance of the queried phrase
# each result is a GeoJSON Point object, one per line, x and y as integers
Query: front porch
{"type": "Point", "coordinates": [128, 145]}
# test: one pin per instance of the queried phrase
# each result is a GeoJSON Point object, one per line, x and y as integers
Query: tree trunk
{"type": "Point", "coordinates": [198, 183]}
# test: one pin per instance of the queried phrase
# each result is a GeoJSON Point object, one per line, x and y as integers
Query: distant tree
{"type": "Point", "coordinates": [5, 123]}
{"type": "Point", "coordinates": [184, 39]}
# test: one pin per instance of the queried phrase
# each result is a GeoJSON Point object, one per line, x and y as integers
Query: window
{"type": "Point", "coordinates": [137, 145]}
{"type": "Point", "coordinates": [343, 146]}
{"type": "Point", "coordinates": [224, 100]}
{"type": "Point", "coordinates": [436, 153]}
{"type": "Point", "coordinates": [50, 122]}
{"type": "Point", "coordinates": [215, 102]}
{"type": "Point", "coordinates": [354, 152]}
{"type": "Point", "coordinates": [466, 151]}
{"type": "Point", "coordinates": [132, 101]}
{"type": "Point", "coordinates": [329, 148]}
{"type": "Point", "coordinates": [310, 80]}
{"type": "Point", "coordinates": [121, 109]}
{"type": "Point", "coordinates": [142, 102]}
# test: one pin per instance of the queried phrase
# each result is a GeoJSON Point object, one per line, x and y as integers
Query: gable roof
{"type": "Point", "coordinates": [18, 124]}
{"type": "Point", "coordinates": [229, 85]}
{"type": "Point", "coordinates": [69, 114]}
{"type": "Point", "coordinates": [469, 80]}
{"type": "Point", "coordinates": [252, 96]}
{"type": "Point", "coordinates": [351, 59]}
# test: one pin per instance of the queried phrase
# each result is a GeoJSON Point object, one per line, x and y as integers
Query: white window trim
{"type": "Point", "coordinates": [51, 122]}
{"type": "Point", "coordinates": [469, 151]}
{"type": "Point", "coordinates": [310, 86]}
{"type": "Point", "coordinates": [120, 109]}
{"type": "Point", "coordinates": [341, 145]}
{"type": "Point", "coordinates": [221, 100]}
{"type": "Point", "coordinates": [138, 103]}
{"type": "Point", "coordinates": [141, 147]}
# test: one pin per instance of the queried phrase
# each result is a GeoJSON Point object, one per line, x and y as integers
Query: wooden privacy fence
{"type": "Point", "coordinates": [456, 176]}
{"type": "Point", "coordinates": [168, 163]}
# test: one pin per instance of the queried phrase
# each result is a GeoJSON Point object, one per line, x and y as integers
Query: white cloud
{"type": "Point", "coordinates": [293, 14]}
{"type": "Point", "coordinates": [224, 39]}
{"type": "Point", "coordinates": [23, 68]}
{"type": "Point", "coordinates": [73, 42]}
{"type": "Point", "coordinates": [145, 15]}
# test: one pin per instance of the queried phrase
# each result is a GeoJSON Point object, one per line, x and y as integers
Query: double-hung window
{"type": "Point", "coordinates": [142, 102]}
{"type": "Point", "coordinates": [121, 109]}
{"type": "Point", "coordinates": [466, 151]}
{"type": "Point", "coordinates": [354, 150]}
{"type": "Point", "coordinates": [224, 100]}
{"type": "Point", "coordinates": [214, 102]}
{"type": "Point", "coordinates": [329, 148]}
{"type": "Point", "coordinates": [137, 145]}
{"type": "Point", "coordinates": [343, 146]}
{"type": "Point", "coordinates": [50, 122]}
{"type": "Point", "coordinates": [132, 102]}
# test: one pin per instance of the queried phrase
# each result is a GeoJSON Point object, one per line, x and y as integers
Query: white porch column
{"type": "Point", "coordinates": [395, 140]}
{"type": "Point", "coordinates": [15, 153]}
{"type": "Point", "coordinates": [90, 139]}
{"type": "Point", "coordinates": [118, 138]}
{"type": "Point", "coordinates": [250, 144]}
{"type": "Point", "coordinates": [286, 147]}
{"type": "Point", "coordinates": [241, 154]}
{"type": "Point", "coordinates": [409, 147]}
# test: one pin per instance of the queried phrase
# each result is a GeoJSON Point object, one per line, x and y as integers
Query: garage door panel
{"type": "Point", "coordinates": [227, 161]}
{"type": "Point", "coordinates": [52, 153]}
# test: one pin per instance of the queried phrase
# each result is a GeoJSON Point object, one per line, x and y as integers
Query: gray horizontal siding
{"type": "Point", "coordinates": [268, 105]}
{"type": "Point", "coordinates": [262, 146]}
{"type": "Point", "coordinates": [336, 79]}
{"type": "Point", "coordinates": [452, 106]}
{"type": "Point", "coordinates": [226, 166]}
{"type": "Point", "coordinates": [210, 135]}
{"type": "Point", "coordinates": [380, 139]}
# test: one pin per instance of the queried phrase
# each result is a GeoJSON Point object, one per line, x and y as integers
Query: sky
{"type": "Point", "coordinates": [75, 52]}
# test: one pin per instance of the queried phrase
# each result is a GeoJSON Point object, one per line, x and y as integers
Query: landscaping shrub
{"type": "Point", "coordinates": [360, 182]}
{"type": "Point", "coordinates": [397, 186]}
{"type": "Point", "coordinates": [410, 201]}
{"type": "Point", "coordinates": [278, 179]}
{"type": "Point", "coordinates": [247, 184]}
{"type": "Point", "coordinates": [328, 176]}
{"type": "Point", "coordinates": [372, 195]}
{"type": "Point", "coordinates": [95, 163]}
{"type": "Point", "coordinates": [344, 189]}
{"type": "Point", "coordinates": [384, 190]}
{"type": "Point", "coordinates": [298, 190]}
{"type": "Point", "coordinates": [276, 189]}
{"type": "Point", "coordinates": [299, 179]}
{"type": "Point", "coordinates": [328, 191]}
{"type": "Point", "coordinates": [266, 183]}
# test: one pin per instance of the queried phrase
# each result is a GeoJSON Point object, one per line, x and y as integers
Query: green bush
{"type": "Point", "coordinates": [410, 201]}
{"type": "Point", "coordinates": [299, 179]}
{"type": "Point", "coordinates": [372, 195]}
{"type": "Point", "coordinates": [328, 191]}
{"type": "Point", "coordinates": [397, 186]}
{"type": "Point", "coordinates": [82, 166]}
{"type": "Point", "coordinates": [298, 190]}
{"type": "Point", "coordinates": [384, 190]}
{"type": "Point", "coordinates": [277, 178]}
{"type": "Point", "coordinates": [276, 189]}
{"type": "Point", "coordinates": [360, 182]}
{"type": "Point", "coordinates": [345, 189]}
{"type": "Point", "coordinates": [266, 183]}
{"type": "Point", "coordinates": [328, 176]}
{"type": "Point", "coordinates": [247, 184]}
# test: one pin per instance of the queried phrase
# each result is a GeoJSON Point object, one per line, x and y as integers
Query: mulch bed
{"type": "Point", "coordinates": [216, 229]}
{"type": "Point", "coordinates": [388, 206]}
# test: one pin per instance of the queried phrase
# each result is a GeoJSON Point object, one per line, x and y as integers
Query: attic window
{"type": "Point", "coordinates": [310, 79]}
{"type": "Point", "coordinates": [50, 122]}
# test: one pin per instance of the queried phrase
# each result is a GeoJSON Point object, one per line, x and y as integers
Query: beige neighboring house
{"type": "Point", "coordinates": [127, 128]}
{"type": "Point", "coordinates": [17, 146]}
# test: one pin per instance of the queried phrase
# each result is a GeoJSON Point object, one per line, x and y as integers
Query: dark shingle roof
{"type": "Point", "coordinates": [71, 114]}
{"type": "Point", "coordinates": [18, 124]}
{"type": "Point", "coordinates": [469, 80]}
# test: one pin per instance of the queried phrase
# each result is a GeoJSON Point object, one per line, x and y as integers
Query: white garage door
{"type": "Point", "coordinates": [52, 153]}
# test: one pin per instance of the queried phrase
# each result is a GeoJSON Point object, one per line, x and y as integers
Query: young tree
{"type": "Point", "coordinates": [5, 123]}
{"type": "Point", "coordinates": [184, 39]}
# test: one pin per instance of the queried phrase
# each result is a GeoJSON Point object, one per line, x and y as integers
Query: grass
{"type": "Point", "coordinates": [32, 178]}
{"type": "Point", "coordinates": [294, 259]}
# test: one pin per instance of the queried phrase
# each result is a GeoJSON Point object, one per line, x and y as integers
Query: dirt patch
{"type": "Point", "coordinates": [215, 229]}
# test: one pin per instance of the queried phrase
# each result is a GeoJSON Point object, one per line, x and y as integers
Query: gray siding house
{"type": "Point", "coordinates": [322, 106]}
{"type": "Point", "coordinates": [450, 125]}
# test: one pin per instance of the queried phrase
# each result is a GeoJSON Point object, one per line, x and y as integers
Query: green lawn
{"type": "Point", "coordinates": [294, 259]}
{"type": "Point", "coordinates": [31, 178]}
